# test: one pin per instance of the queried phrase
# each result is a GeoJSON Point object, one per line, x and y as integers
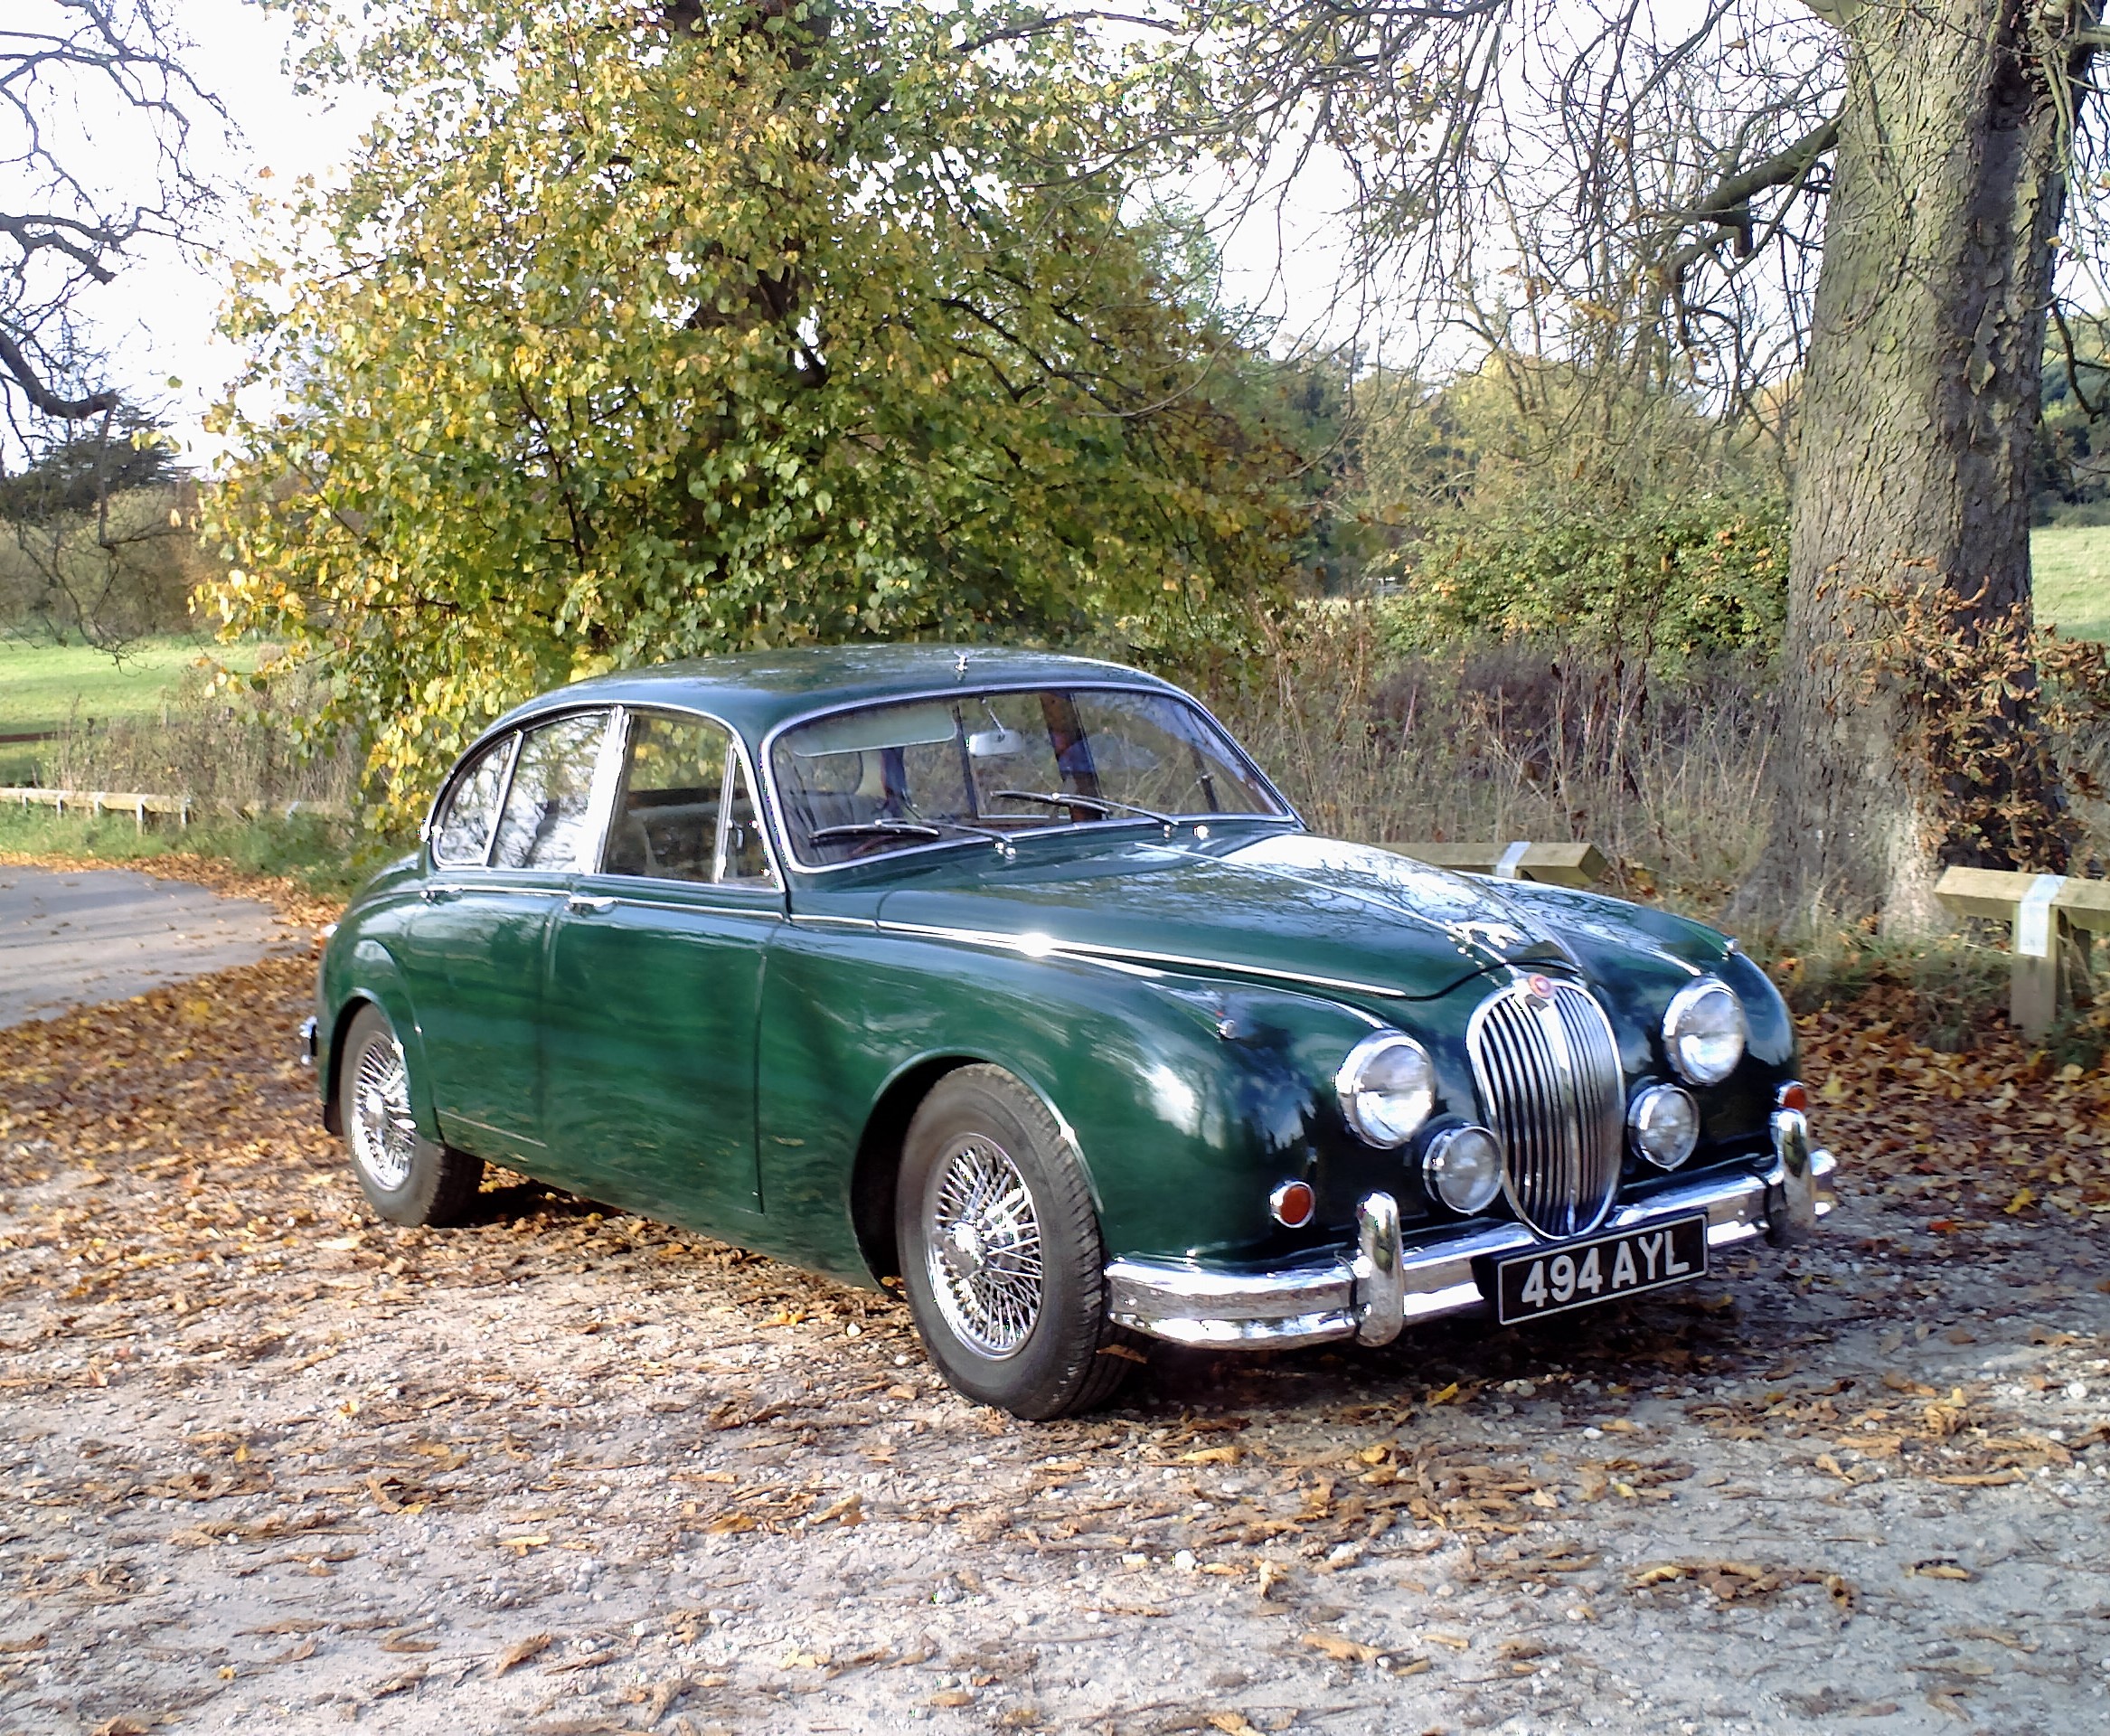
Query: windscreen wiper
{"type": "Point", "coordinates": [907, 829]}
{"type": "Point", "coordinates": [1096, 804]}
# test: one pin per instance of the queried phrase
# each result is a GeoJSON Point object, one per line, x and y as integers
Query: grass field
{"type": "Point", "coordinates": [41, 684]}
{"type": "Point", "coordinates": [2071, 565]}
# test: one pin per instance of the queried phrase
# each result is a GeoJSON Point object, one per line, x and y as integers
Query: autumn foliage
{"type": "Point", "coordinates": [627, 341]}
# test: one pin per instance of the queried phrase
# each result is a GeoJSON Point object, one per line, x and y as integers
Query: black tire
{"type": "Point", "coordinates": [981, 1126]}
{"type": "Point", "coordinates": [406, 1177]}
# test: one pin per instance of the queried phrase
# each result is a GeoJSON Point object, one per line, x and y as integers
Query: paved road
{"type": "Point", "coordinates": [75, 938]}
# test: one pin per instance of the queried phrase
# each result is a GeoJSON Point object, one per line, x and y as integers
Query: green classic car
{"type": "Point", "coordinates": [1013, 975]}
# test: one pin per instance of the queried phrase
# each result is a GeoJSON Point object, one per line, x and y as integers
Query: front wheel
{"type": "Point", "coordinates": [1001, 1253]}
{"type": "Point", "coordinates": [406, 1177]}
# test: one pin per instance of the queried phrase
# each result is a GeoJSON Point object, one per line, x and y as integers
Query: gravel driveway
{"type": "Point", "coordinates": [71, 937]}
{"type": "Point", "coordinates": [275, 1467]}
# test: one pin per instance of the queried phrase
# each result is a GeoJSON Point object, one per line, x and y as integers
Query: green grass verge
{"type": "Point", "coordinates": [42, 684]}
{"type": "Point", "coordinates": [326, 857]}
{"type": "Point", "coordinates": [2070, 564]}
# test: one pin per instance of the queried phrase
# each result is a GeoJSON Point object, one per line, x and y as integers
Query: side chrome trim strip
{"type": "Point", "coordinates": [1040, 946]}
{"type": "Point", "coordinates": [758, 914]}
{"type": "Point", "coordinates": [814, 920]}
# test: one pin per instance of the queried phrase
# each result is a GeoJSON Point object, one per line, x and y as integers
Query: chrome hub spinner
{"type": "Point", "coordinates": [983, 1242]}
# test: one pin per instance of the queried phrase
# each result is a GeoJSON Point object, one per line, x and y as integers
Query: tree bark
{"type": "Point", "coordinates": [1908, 592]}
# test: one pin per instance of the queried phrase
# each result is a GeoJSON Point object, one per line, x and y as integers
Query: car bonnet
{"type": "Point", "coordinates": [1283, 906]}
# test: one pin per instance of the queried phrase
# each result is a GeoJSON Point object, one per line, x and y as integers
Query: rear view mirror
{"type": "Point", "coordinates": [994, 744]}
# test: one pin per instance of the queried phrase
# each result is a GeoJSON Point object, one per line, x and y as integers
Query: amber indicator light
{"type": "Point", "coordinates": [1792, 1096]}
{"type": "Point", "coordinates": [1292, 1205]}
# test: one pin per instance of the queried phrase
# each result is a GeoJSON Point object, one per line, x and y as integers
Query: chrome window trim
{"type": "Point", "coordinates": [600, 801]}
{"type": "Point", "coordinates": [518, 728]}
{"type": "Point", "coordinates": [765, 748]}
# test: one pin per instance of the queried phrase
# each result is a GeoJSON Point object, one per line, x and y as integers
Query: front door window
{"type": "Point", "coordinates": [684, 811]}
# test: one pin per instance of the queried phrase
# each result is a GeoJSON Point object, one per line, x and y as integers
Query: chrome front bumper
{"type": "Point", "coordinates": [1387, 1284]}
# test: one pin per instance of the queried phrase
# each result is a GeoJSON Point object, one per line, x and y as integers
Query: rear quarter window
{"type": "Point", "coordinates": [462, 839]}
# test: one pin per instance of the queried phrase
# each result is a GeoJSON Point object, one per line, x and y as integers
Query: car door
{"type": "Point", "coordinates": [475, 957]}
{"type": "Point", "coordinates": [655, 978]}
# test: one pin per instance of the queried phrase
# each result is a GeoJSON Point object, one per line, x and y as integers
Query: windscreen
{"type": "Point", "coordinates": [898, 776]}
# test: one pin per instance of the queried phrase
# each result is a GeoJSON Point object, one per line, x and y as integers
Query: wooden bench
{"type": "Point", "coordinates": [2051, 919]}
{"type": "Point", "coordinates": [1557, 864]}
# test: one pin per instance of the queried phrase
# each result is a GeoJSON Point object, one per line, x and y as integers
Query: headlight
{"type": "Point", "coordinates": [1463, 1168]}
{"type": "Point", "coordinates": [1704, 1031]}
{"type": "Point", "coordinates": [1387, 1088]}
{"type": "Point", "coordinates": [1664, 1121]}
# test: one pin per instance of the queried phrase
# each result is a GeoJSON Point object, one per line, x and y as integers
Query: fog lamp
{"type": "Point", "coordinates": [1463, 1168]}
{"type": "Point", "coordinates": [1663, 1122]}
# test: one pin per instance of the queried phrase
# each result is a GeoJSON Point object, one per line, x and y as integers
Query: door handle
{"type": "Point", "coordinates": [579, 905]}
{"type": "Point", "coordinates": [438, 894]}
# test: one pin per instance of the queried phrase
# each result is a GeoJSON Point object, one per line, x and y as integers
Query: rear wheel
{"type": "Point", "coordinates": [1001, 1254]}
{"type": "Point", "coordinates": [406, 1177]}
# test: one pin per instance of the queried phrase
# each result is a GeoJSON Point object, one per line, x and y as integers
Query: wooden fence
{"type": "Point", "coordinates": [147, 809]}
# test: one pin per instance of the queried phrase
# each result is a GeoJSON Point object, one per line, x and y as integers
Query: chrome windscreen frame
{"type": "Point", "coordinates": [765, 755]}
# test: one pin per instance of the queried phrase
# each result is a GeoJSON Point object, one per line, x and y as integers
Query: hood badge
{"type": "Point", "coordinates": [1494, 937]}
{"type": "Point", "coordinates": [1541, 987]}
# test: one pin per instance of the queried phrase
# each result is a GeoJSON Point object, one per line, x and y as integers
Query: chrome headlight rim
{"type": "Point", "coordinates": [1677, 1034]}
{"type": "Point", "coordinates": [1647, 1104]}
{"type": "Point", "coordinates": [1437, 1172]}
{"type": "Point", "coordinates": [1358, 1101]}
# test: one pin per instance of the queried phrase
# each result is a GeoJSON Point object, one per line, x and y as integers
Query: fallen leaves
{"type": "Point", "coordinates": [1742, 1582]}
{"type": "Point", "coordinates": [1341, 1648]}
{"type": "Point", "coordinates": [592, 1660]}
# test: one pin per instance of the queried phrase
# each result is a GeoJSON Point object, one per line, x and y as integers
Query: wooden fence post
{"type": "Point", "coordinates": [2051, 920]}
{"type": "Point", "coordinates": [1558, 864]}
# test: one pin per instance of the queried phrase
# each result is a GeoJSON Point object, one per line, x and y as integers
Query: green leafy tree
{"type": "Point", "coordinates": [638, 332]}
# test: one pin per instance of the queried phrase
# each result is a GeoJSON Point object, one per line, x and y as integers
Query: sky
{"type": "Point", "coordinates": [159, 317]}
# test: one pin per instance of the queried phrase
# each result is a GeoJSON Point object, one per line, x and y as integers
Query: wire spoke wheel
{"type": "Point", "coordinates": [384, 1133]}
{"type": "Point", "coordinates": [982, 1238]}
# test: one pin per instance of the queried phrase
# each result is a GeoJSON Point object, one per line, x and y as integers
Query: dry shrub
{"type": "Point", "coordinates": [1493, 741]}
{"type": "Point", "coordinates": [239, 743]}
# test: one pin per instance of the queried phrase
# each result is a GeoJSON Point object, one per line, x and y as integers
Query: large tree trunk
{"type": "Point", "coordinates": [1909, 581]}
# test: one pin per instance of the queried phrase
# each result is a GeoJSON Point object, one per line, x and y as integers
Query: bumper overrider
{"type": "Point", "coordinates": [1387, 1284]}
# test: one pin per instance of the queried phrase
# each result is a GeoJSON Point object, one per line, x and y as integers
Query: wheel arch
{"type": "Point", "coordinates": [877, 1163]}
{"type": "Point", "coordinates": [373, 987]}
{"type": "Point", "coordinates": [334, 1055]}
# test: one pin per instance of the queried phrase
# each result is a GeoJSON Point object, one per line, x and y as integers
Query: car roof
{"type": "Point", "coordinates": [756, 691]}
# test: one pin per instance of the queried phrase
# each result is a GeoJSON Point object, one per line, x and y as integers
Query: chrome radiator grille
{"type": "Point", "coordinates": [1548, 1070]}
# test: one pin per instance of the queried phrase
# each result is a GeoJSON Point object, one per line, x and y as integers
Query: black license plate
{"type": "Point", "coordinates": [1528, 1286]}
